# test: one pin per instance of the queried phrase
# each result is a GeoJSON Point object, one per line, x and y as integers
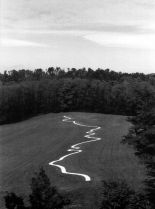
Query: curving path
{"type": "Point", "coordinates": [75, 149]}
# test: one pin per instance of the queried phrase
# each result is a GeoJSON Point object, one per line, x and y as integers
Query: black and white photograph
{"type": "Point", "coordinates": [77, 104]}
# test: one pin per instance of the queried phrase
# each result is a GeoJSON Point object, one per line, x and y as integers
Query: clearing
{"type": "Point", "coordinates": [36, 142]}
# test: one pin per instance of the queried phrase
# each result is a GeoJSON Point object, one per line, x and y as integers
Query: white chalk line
{"type": "Point", "coordinates": [75, 149]}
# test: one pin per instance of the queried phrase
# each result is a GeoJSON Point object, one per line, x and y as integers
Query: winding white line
{"type": "Point", "coordinates": [75, 149]}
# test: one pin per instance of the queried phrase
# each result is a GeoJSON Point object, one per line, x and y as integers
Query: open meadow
{"type": "Point", "coordinates": [28, 145]}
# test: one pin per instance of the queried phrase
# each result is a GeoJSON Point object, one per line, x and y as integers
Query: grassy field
{"type": "Point", "coordinates": [27, 145]}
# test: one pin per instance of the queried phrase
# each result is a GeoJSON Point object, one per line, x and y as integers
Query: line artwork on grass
{"type": "Point", "coordinates": [75, 149]}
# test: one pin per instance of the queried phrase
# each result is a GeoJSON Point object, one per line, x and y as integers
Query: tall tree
{"type": "Point", "coordinates": [45, 196]}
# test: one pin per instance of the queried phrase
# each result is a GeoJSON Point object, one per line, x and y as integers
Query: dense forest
{"type": "Point", "coordinates": [142, 137]}
{"type": "Point", "coordinates": [26, 93]}
{"type": "Point", "coordinates": [51, 72]}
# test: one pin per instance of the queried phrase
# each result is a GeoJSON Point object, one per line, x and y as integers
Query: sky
{"type": "Point", "coordinates": [115, 34]}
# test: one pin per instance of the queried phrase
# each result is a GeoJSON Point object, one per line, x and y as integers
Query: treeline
{"type": "Point", "coordinates": [19, 101]}
{"type": "Point", "coordinates": [58, 73]}
{"type": "Point", "coordinates": [142, 137]}
{"type": "Point", "coordinates": [43, 195]}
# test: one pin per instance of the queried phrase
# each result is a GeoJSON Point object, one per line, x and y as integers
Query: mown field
{"type": "Point", "coordinates": [28, 145]}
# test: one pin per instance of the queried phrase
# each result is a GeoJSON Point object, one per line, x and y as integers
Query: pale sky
{"type": "Point", "coordinates": [115, 34]}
